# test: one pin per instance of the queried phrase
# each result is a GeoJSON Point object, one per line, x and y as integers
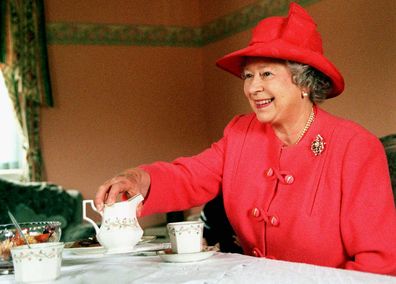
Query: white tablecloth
{"type": "Point", "coordinates": [220, 268]}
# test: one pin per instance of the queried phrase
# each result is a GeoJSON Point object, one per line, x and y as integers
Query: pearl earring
{"type": "Point", "coordinates": [304, 95]}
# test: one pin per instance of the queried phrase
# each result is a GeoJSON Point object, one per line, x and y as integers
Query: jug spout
{"type": "Point", "coordinates": [85, 202]}
{"type": "Point", "coordinates": [136, 199]}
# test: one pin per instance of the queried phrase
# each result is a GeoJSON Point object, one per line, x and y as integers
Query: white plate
{"type": "Point", "coordinates": [185, 257]}
{"type": "Point", "coordinates": [101, 249]}
{"type": "Point", "coordinates": [143, 248]}
{"type": "Point", "coordinates": [147, 239]}
{"type": "Point", "coordinates": [86, 250]}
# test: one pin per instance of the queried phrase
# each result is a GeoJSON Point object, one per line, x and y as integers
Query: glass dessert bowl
{"type": "Point", "coordinates": [35, 232]}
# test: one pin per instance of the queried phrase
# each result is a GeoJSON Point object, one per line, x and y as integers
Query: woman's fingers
{"type": "Point", "coordinates": [111, 189]}
{"type": "Point", "coordinates": [139, 210]}
{"type": "Point", "coordinates": [101, 196]}
{"type": "Point", "coordinates": [127, 184]}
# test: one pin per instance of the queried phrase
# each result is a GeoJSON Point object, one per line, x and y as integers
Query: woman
{"type": "Point", "coordinates": [298, 184]}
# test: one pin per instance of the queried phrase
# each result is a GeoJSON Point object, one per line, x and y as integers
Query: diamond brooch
{"type": "Point", "coordinates": [318, 145]}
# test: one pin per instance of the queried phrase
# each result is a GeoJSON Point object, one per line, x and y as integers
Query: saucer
{"type": "Point", "coordinates": [186, 257]}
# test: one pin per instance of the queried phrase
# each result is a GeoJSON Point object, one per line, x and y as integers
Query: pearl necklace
{"type": "Point", "coordinates": [307, 125]}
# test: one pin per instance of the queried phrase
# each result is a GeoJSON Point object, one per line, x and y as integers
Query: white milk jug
{"type": "Point", "coordinates": [120, 230]}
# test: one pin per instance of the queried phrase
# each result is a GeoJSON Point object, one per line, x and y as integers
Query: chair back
{"type": "Point", "coordinates": [389, 143]}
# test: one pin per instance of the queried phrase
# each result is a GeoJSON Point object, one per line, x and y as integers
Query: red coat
{"type": "Point", "coordinates": [335, 209]}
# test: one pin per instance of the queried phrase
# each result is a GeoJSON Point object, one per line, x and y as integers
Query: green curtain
{"type": "Point", "coordinates": [25, 67]}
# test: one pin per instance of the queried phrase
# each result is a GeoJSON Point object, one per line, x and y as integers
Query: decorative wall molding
{"type": "Point", "coordinates": [146, 35]}
{"type": "Point", "coordinates": [140, 35]}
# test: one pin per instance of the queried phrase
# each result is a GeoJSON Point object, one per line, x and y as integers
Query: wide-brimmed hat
{"type": "Point", "coordinates": [294, 38]}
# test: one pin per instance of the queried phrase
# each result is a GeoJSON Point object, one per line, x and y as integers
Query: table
{"type": "Point", "coordinates": [219, 268]}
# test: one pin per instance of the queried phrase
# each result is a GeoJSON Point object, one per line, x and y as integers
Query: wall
{"type": "Point", "coordinates": [361, 38]}
{"type": "Point", "coordinates": [119, 106]}
{"type": "Point", "coordinates": [122, 101]}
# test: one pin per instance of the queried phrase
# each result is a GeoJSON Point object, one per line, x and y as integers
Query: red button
{"type": "Point", "coordinates": [270, 172]}
{"type": "Point", "coordinates": [256, 212]}
{"type": "Point", "coordinates": [289, 179]}
{"type": "Point", "coordinates": [274, 221]}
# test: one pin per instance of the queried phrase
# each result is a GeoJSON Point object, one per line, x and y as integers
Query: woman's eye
{"type": "Point", "coordinates": [245, 76]}
{"type": "Point", "coordinates": [265, 74]}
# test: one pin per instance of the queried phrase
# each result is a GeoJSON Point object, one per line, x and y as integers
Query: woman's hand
{"type": "Point", "coordinates": [128, 183]}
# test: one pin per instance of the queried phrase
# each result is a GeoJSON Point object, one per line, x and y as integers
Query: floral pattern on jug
{"type": "Point", "coordinates": [120, 223]}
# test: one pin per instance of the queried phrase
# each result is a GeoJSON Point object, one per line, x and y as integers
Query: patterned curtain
{"type": "Point", "coordinates": [23, 54]}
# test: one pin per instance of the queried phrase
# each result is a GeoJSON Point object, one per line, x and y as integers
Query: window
{"type": "Point", "coordinates": [11, 150]}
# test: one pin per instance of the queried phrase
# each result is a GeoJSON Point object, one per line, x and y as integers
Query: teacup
{"type": "Point", "coordinates": [186, 236]}
{"type": "Point", "coordinates": [41, 262]}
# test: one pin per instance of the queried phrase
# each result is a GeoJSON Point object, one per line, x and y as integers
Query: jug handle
{"type": "Point", "coordinates": [85, 202]}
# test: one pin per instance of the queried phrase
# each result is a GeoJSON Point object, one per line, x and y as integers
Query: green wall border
{"type": "Point", "coordinates": [147, 35]}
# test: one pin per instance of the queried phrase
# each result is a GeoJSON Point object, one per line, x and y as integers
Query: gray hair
{"type": "Point", "coordinates": [305, 76]}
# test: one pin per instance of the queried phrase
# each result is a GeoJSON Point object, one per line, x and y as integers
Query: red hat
{"type": "Point", "coordinates": [292, 38]}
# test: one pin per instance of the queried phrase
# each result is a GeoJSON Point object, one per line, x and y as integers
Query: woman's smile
{"type": "Point", "coordinates": [263, 103]}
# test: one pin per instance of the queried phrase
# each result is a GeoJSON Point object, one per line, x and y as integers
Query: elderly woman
{"type": "Point", "coordinates": [298, 183]}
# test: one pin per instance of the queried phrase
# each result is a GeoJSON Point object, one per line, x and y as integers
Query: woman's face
{"type": "Point", "coordinates": [271, 93]}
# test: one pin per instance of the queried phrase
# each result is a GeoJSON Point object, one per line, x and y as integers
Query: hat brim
{"type": "Point", "coordinates": [281, 49]}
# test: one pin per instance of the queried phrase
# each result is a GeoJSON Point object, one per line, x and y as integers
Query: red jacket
{"type": "Point", "coordinates": [333, 209]}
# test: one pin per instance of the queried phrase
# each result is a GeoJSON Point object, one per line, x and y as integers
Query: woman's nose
{"type": "Point", "coordinates": [256, 85]}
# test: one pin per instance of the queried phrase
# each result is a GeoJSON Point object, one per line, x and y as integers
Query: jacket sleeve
{"type": "Point", "coordinates": [187, 181]}
{"type": "Point", "coordinates": [368, 215]}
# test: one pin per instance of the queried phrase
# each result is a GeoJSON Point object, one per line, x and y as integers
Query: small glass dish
{"type": "Point", "coordinates": [35, 232]}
